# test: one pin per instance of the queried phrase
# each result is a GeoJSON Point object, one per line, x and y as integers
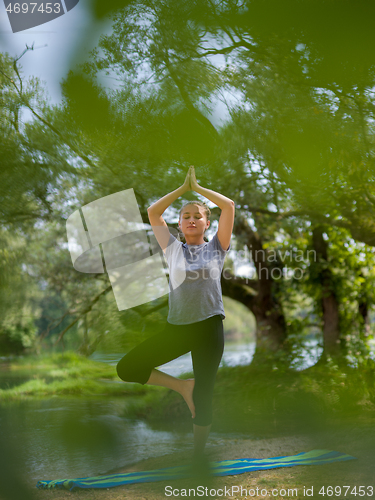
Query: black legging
{"type": "Point", "coordinates": [205, 340]}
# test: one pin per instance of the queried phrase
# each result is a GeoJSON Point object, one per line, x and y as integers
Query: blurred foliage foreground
{"type": "Point", "coordinates": [262, 401]}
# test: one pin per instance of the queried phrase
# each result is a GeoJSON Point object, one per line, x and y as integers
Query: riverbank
{"type": "Point", "coordinates": [62, 374]}
{"type": "Point", "coordinates": [247, 399]}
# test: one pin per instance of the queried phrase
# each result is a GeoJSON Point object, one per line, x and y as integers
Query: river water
{"type": "Point", "coordinates": [234, 354]}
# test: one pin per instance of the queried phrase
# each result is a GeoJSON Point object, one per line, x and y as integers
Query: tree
{"type": "Point", "coordinates": [296, 154]}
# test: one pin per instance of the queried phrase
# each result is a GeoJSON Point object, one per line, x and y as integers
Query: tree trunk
{"type": "Point", "coordinates": [331, 331]}
{"type": "Point", "coordinates": [328, 300]}
{"type": "Point", "coordinates": [259, 295]}
{"type": "Point", "coordinates": [363, 309]}
{"type": "Point", "coordinates": [85, 346]}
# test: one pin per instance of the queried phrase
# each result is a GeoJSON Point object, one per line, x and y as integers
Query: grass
{"type": "Point", "coordinates": [65, 374]}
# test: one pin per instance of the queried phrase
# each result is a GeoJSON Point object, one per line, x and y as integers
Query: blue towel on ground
{"type": "Point", "coordinates": [221, 468]}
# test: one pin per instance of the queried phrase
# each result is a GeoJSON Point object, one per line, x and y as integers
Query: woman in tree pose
{"type": "Point", "coordinates": [196, 309]}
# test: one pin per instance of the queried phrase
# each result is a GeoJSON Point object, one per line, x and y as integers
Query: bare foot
{"type": "Point", "coordinates": [187, 394]}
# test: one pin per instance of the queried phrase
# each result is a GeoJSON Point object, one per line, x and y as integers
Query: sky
{"type": "Point", "coordinates": [59, 44]}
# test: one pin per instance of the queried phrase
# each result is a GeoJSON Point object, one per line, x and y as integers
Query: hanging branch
{"type": "Point", "coordinates": [54, 324]}
{"type": "Point", "coordinates": [139, 310]}
{"type": "Point", "coordinates": [82, 313]}
{"type": "Point", "coordinates": [25, 102]}
{"type": "Point", "coordinates": [186, 98]}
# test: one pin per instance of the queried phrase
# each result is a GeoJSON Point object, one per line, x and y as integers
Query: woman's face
{"type": "Point", "coordinates": [193, 220]}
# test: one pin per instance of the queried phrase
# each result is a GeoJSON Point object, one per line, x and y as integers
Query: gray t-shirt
{"type": "Point", "coordinates": [194, 280]}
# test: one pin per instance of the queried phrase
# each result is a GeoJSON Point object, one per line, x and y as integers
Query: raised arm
{"type": "Point", "coordinates": [226, 205]}
{"type": "Point", "coordinates": [156, 210]}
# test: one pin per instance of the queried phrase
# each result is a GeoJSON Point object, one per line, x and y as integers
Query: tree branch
{"type": "Point", "coordinates": [142, 311]}
{"type": "Point", "coordinates": [25, 102]}
{"type": "Point", "coordinates": [82, 313]}
{"type": "Point", "coordinates": [186, 98]}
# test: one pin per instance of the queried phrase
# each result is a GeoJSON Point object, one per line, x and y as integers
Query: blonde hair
{"type": "Point", "coordinates": [207, 211]}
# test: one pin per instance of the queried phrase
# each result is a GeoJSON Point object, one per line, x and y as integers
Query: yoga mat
{"type": "Point", "coordinates": [221, 468]}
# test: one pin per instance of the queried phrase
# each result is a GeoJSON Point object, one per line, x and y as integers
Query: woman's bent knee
{"type": "Point", "coordinates": [132, 372]}
{"type": "Point", "coordinates": [125, 371]}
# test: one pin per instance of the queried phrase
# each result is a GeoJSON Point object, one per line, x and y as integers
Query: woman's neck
{"type": "Point", "coordinates": [194, 241]}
